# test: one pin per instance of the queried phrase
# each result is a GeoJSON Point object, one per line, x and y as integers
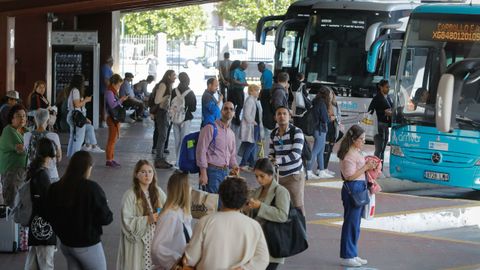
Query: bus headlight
{"type": "Point", "coordinates": [396, 151]}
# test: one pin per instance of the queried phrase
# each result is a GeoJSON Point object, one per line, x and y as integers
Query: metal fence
{"type": "Point", "coordinates": [137, 47]}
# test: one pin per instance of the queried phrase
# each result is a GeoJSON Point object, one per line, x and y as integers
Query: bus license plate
{"type": "Point", "coordinates": [436, 176]}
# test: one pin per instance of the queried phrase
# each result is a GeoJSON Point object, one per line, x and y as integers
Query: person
{"type": "Point", "coordinates": [182, 129]}
{"type": "Point", "coordinates": [265, 97]}
{"type": "Point", "coordinates": [287, 154]}
{"type": "Point", "coordinates": [41, 121]}
{"type": "Point", "coordinates": [216, 155]}
{"type": "Point", "coordinates": [280, 91]}
{"type": "Point", "coordinates": [111, 101]}
{"type": "Point", "coordinates": [420, 98]}
{"type": "Point", "coordinates": [224, 75]}
{"type": "Point", "coordinates": [152, 63]}
{"type": "Point", "coordinates": [105, 73]}
{"type": "Point", "coordinates": [141, 88]}
{"type": "Point", "coordinates": [12, 98]}
{"type": "Point", "coordinates": [382, 105]}
{"type": "Point", "coordinates": [77, 210]}
{"type": "Point", "coordinates": [333, 131]}
{"type": "Point", "coordinates": [228, 239]}
{"type": "Point", "coordinates": [266, 79]}
{"type": "Point", "coordinates": [162, 100]}
{"type": "Point", "coordinates": [251, 127]}
{"type": "Point", "coordinates": [41, 237]}
{"type": "Point", "coordinates": [174, 229]}
{"type": "Point", "coordinates": [238, 83]}
{"type": "Point", "coordinates": [139, 215]}
{"type": "Point", "coordinates": [37, 99]}
{"type": "Point", "coordinates": [210, 105]}
{"type": "Point", "coordinates": [298, 85]}
{"type": "Point", "coordinates": [126, 90]}
{"type": "Point", "coordinates": [270, 201]}
{"type": "Point", "coordinates": [353, 168]}
{"type": "Point", "coordinates": [13, 158]}
{"type": "Point", "coordinates": [78, 135]}
{"type": "Point", "coordinates": [321, 122]}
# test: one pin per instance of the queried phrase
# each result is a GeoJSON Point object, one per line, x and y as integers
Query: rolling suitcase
{"type": "Point", "coordinates": [9, 231]}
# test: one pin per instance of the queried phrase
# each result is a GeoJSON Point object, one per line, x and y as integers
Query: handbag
{"type": "Point", "coordinates": [78, 119]}
{"type": "Point", "coordinates": [118, 113]}
{"type": "Point", "coordinates": [369, 211]}
{"type": "Point", "coordinates": [203, 203]}
{"type": "Point", "coordinates": [285, 239]}
{"type": "Point", "coordinates": [359, 198]}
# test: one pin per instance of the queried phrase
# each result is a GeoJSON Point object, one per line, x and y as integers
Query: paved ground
{"type": "Point", "coordinates": [384, 250]}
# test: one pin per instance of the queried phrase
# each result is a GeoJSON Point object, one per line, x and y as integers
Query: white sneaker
{"type": "Point", "coordinates": [312, 175]}
{"type": "Point", "coordinates": [330, 172]}
{"type": "Point", "coordinates": [360, 260]}
{"type": "Point", "coordinates": [350, 262]}
{"type": "Point", "coordinates": [87, 148]}
{"type": "Point", "coordinates": [103, 124]}
{"type": "Point", "coordinates": [96, 149]}
{"type": "Point", "coordinates": [324, 174]}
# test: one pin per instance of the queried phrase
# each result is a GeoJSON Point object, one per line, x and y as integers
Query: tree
{"type": "Point", "coordinates": [246, 13]}
{"type": "Point", "coordinates": [178, 23]}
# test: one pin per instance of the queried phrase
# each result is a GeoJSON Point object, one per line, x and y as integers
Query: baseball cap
{"type": "Point", "coordinates": [13, 94]}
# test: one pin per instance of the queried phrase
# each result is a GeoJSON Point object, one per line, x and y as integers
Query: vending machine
{"type": "Point", "coordinates": [77, 53]}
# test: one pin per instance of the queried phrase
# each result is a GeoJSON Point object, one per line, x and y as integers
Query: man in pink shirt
{"type": "Point", "coordinates": [216, 150]}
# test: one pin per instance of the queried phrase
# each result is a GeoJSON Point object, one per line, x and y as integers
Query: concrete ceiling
{"type": "Point", "coordinates": [23, 7]}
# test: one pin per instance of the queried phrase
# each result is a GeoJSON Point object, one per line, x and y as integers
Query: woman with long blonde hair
{"type": "Point", "coordinates": [173, 229]}
{"type": "Point", "coordinates": [140, 207]}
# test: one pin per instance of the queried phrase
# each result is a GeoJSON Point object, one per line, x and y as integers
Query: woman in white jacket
{"type": "Point", "coordinates": [140, 206]}
{"type": "Point", "coordinates": [251, 127]}
{"type": "Point", "coordinates": [174, 227]}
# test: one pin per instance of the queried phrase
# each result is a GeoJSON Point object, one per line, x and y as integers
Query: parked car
{"type": "Point", "coordinates": [235, 54]}
{"type": "Point", "coordinates": [180, 60]}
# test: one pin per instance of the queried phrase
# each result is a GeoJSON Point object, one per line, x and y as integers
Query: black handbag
{"type": "Point", "coordinates": [288, 238]}
{"type": "Point", "coordinates": [360, 198]}
{"type": "Point", "coordinates": [118, 113]}
{"type": "Point", "coordinates": [78, 119]}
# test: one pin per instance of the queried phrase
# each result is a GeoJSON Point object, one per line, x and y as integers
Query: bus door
{"type": "Point", "coordinates": [288, 44]}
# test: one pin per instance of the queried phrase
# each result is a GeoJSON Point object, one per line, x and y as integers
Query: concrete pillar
{"type": "Point", "coordinates": [48, 79]}
{"type": "Point", "coordinates": [161, 55]}
{"type": "Point", "coordinates": [10, 76]}
{"type": "Point", "coordinates": [116, 32]}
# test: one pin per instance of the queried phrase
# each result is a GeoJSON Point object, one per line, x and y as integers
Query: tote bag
{"type": "Point", "coordinates": [203, 203]}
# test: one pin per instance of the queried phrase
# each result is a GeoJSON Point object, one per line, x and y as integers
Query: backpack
{"type": "Point", "coordinates": [306, 151]}
{"type": "Point", "coordinates": [22, 211]}
{"type": "Point", "coordinates": [32, 146]}
{"type": "Point", "coordinates": [306, 122]}
{"type": "Point", "coordinates": [268, 113]}
{"type": "Point", "coordinates": [178, 109]}
{"type": "Point", "coordinates": [151, 100]}
{"type": "Point", "coordinates": [187, 161]}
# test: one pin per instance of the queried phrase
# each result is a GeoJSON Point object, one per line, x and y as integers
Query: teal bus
{"type": "Point", "coordinates": [435, 134]}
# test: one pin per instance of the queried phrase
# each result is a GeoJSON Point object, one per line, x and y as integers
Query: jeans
{"type": "Point", "coordinates": [215, 178]}
{"type": "Point", "coordinates": [40, 258]}
{"type": "Point", "coordinates": [380, 140]}
{"type": "Point", "coordinates": [351, 221]}
{"type": "Point", "coordinates": [250, 152]}
{"type": "Point", "coordinates": [161, 121]}
{"type": "Point", "coordinates": [317, 151]}
{"type": "Point", "coordinates": [84, 134]}
{"type": "Point", "coordinates": [180, 131]}
{"type": "Point", "coordinates": [85, 258]}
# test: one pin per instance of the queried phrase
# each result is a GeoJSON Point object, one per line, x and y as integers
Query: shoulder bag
{"type": "Point", "coordinates": [359, 198]}
{"type": "Point", "coordinates": [288, 238]}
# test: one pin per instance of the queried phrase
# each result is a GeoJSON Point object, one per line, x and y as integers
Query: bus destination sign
{"type": "Point", "coordinates": [453, 31]}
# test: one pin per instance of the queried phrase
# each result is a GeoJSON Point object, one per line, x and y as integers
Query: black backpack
{"type": "Point", "coordinates": [307, 122]}
{"type": "Point", "coordinates": [306, 151]}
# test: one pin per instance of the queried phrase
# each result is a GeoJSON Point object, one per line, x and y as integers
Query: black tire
{"type": "Point", "coordinates": [14, 247]}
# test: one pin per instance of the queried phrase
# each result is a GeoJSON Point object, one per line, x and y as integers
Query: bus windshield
{"type": "Point", "coordinates": [337, 51]}
{"type": "Point", "coordinates": [432, 46]}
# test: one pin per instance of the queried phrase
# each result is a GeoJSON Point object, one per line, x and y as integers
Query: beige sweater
{"type": "Point", "coordinates": [226, 240]}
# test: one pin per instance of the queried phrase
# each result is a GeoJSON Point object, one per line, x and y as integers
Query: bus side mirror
{"type": "Point", "coordinates": [373, 57]}
{"type": "Point", "coordinates": [444, 102]}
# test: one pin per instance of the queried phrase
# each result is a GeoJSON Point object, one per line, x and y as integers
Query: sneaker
{"type": "Point", "coordinates": [324, 174]}
{"type": "Point", "coordinates": [87, 148]}
{"type": "Point", "coordinates": [111, 164]}
{"type": "Point", "coordinates": [154, 151]}
{"type": "Point", "coordinates": [246, 168]}
{"type": "Point", "coordinates": [163, 165]}
{"type": "Point", "coordinates": [350, 262]}
{"type": "Point", "coordinates": [312, 175]}
{"type": "Point", "coordinates": [116, 163]}
{"type": "Point", "coordinates": [330, 172]}
{"type": "Point", "coordinates": [166, 151]}
{"type": "Point", "coordinates": [96, 149]}
{"type": "Point", "coordinates": [103, 124]}
{"type": "Point", "coordinates": [360, 260]}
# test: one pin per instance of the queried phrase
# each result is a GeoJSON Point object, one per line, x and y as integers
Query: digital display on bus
{"type": "Point", "coordinates": [353, 23]}
{"type": "Point", "coordinates": [450, 31]}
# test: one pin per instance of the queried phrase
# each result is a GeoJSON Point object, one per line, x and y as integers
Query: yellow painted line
{"type": "Point", "coordinates": [467, 267]}
{"type": "Point", "coordinates": [312, 182]}
{"type": "Point", "coordinates": [429, 237]}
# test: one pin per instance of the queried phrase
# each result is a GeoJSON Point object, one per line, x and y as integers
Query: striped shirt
{"type": "Point", "coordinates": [287, 152]}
